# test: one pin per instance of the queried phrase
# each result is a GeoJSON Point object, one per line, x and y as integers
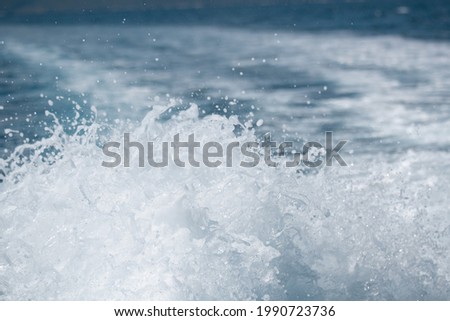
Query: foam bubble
{"type": "Point", "coordinates": [72, 229]}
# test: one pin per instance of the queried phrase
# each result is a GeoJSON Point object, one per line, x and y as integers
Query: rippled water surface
{"type": "Point", "coordinates": [72, 229]}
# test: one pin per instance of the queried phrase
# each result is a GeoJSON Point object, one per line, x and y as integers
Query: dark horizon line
{"type": "Point", "coordinates": [44, 7]}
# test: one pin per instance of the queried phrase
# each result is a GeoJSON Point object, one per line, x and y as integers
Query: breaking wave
{"type": "Point", "coordinates": [72, 229]}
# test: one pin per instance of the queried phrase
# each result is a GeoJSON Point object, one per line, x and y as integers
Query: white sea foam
{"type": "Point", "coordinates": [377, 229]}
{"type": "Point", "coordinates": [73, 229]}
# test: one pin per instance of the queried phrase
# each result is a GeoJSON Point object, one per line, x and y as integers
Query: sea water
{"type": "Point", "coordinates": [376, 229]}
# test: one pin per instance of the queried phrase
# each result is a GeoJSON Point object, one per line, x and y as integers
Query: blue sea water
{"type": "Point", "coordinates": [375, 73]}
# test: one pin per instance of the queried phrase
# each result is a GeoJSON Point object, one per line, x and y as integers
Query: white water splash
{"type": "Point", "coordinates": [72, 229]}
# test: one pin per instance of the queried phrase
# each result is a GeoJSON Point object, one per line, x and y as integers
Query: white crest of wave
{"type": "Point", "coordinates": [77, 230]}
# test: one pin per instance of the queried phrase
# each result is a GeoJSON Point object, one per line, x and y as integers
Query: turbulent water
{"type": "Point", "coordinates": [72, 229]}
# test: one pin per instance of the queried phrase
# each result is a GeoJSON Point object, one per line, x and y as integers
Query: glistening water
{"type": "Point", "coordinates": [377, 229]}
